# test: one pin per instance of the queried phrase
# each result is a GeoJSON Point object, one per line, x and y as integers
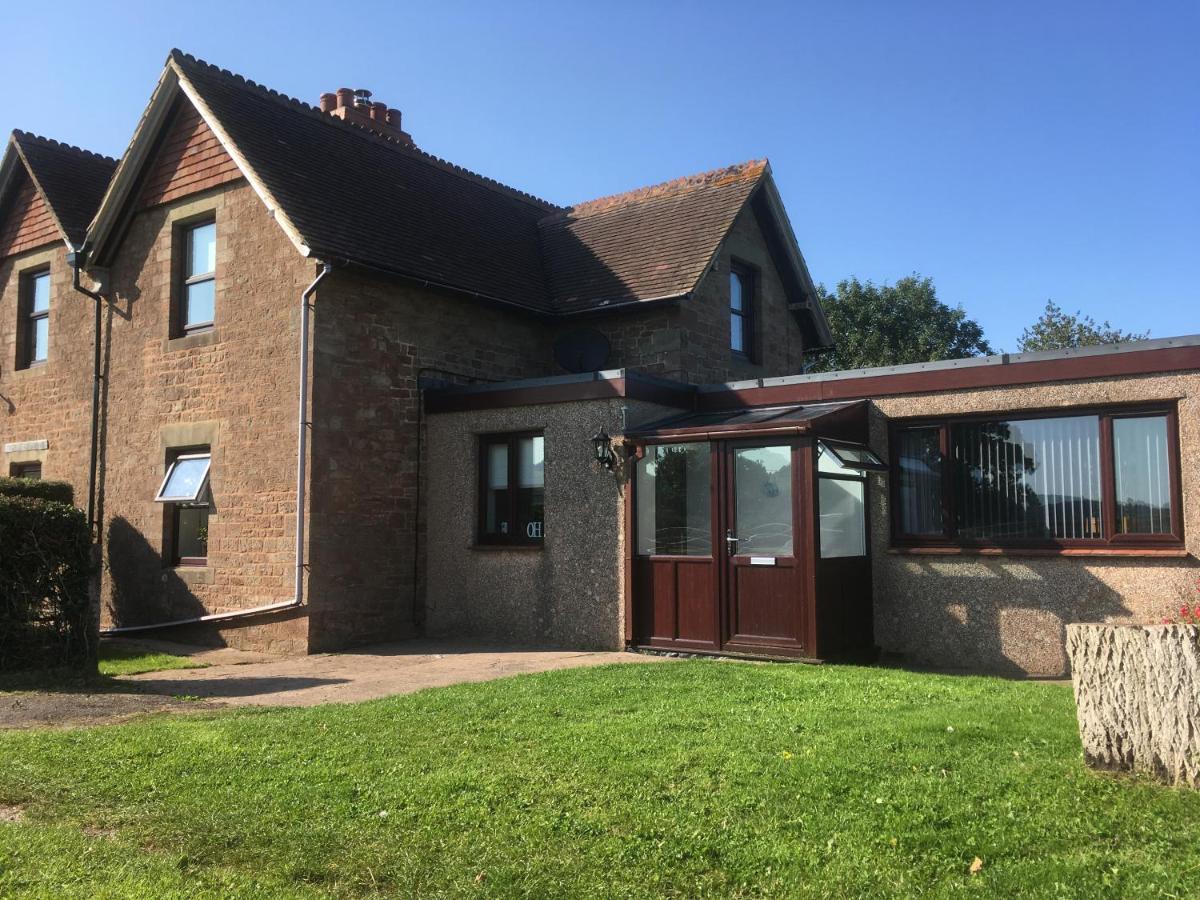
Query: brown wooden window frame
{"type": "Point", "coordinates": [182, 240]}
{"type": "Point", "coordinates": [30, 470]}
{"type": "Point", "coordinates": [28, 319]}
{"type": "Point", "coordinates": [1109, 539]}
{"type": "Point", "coordinates": [172, 510]}
{"type": "Point", "coordinates": [748, 276]}
{"type": "Point", "coordinates": [483, 537]}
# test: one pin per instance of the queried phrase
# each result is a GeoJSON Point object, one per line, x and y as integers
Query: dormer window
{"type": "Point", "coordinates": [33, 347]}
{"type": "Point", "coordinates": [198, 290]}
{"type": "Point", "coordinates": [741, 311]}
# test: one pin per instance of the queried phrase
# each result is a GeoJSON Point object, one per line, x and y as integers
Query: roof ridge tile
{"type": "Point", "coordinates": [749, 170]}
{"type": "Point", "coordinates": [20, 135]}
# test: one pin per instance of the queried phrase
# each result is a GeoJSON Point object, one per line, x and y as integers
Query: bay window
{"type": "Point", "coordinates": [1094, 478]}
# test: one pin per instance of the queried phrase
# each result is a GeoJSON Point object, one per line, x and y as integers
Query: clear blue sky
{"type": "Point", "coordinates": [1013, 151]}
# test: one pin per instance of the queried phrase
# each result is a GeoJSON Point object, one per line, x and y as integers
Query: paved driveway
{"type": "Point", "coordinates": [237, 678]}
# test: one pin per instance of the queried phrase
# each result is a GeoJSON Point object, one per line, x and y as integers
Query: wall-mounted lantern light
{"type": "Point", "coordinates": [602, 448]}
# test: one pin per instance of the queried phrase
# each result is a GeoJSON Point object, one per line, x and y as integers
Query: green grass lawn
{"type": "Point", "coordinates": [684, 779]}
{"type": "Point", "coordinates": [129, 659]}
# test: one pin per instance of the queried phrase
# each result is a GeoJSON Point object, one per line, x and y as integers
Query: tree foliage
{"type": "Point", "coordinates": [1058, 330]}
{"type": "Point", "coordinates": [892, 324]}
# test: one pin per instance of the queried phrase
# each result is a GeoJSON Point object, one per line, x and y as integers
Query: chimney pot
{"type": "Point", "coordinates": [328, 102]}
{"type": "Point", "coordinates": [379, 112]}
{"type": "Point", "coordinates": [345, 97]}
{"type": "Point", "coordinates": [362, 97]}
{"type": "Point", "coordinates": [393, 118]}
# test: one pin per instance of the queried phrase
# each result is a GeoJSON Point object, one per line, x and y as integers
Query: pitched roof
{"type": "Point", "coordinates": [71, 181]}
{"type": "Point", "coordinates": [345, 192]}
{"type": "Point", "coordinates": [651, 243]}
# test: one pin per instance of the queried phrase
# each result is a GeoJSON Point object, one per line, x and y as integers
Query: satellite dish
{"type": "Point", "coordinates": [582, 350]}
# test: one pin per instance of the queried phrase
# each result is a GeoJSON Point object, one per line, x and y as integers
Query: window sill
{"type": "Point", "coordinates": [191, 341]}
{"type": "Point", "coordinates": [28, 371]}
{"type": "Point", "coordinates": [193, 574]}
{"type": "Point", "coordinates": [1167, 552]}
{"type": "Point", "coordinates": [521, 548]}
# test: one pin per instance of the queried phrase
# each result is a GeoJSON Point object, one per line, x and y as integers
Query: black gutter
{"type": "Point", "coordinates": [76, 259]}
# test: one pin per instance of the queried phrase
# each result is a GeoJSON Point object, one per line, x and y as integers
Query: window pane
{"type": "Point", "coordinates": [40, 299]}
{"type": "Point", "coordinates": [200, 303]}
{"type": "Point", "coordinates": [531, 462]}
{"type": "Point", "coordinates": [191, 532]}
{"type": "Point", "coordinates": [735, 291]}
{"type": "Point", "coordinates": [530, 493]}
{"type": "Point", "coordinates": [674, 500]}
{"type": "Point", "coordinates": [843, 517]}
{"type": "Point", "coordinates": [186, 479]}
{"type": "Point", "coordinates": [919, 463]}
{"type": "Point", "coordinates": [40, 344]}
{"type": "Point", "coordinates": [1141, 467]}
{"type": "Point", "coordinates": [763, 500]}
{"type": "Point", "coordinates": [496, 510]}
{"type": "Point", "coordinates": [202, 250]}
{"type": "Point", "coordinates": [1028, 479]}
{"type": "Point", "coordinates": [737, 340]}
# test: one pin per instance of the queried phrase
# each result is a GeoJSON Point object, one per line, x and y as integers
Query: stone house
{"type": "Point", "coordinates": [341, 391]}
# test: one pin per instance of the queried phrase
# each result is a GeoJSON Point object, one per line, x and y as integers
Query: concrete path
{"type": "Point", "coordinates": [400, 668]}
{"type": "Point", "coordinates": [237, 678]}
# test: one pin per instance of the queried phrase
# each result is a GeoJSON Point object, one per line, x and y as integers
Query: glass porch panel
{"type": "Point", "coordinates": [842, 504]}
{"type": "Point", "coordinates": [674, 500]}
{"type": "Point", "coordinates": [1141, 467]}
{"type": "Point", "coordinates": [763, 500]}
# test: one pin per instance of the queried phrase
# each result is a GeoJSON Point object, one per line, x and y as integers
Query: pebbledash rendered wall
{"type": "Point", "coordinates": [1009, 613]}
{"type": "Point", "coordinates": [567, 593]}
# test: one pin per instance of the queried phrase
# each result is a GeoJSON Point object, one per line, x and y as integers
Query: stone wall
{"type": "Point", "coordinates": [1009, 613]}
{"type": "Point", "coordinates": [568, 593]}
{"type": "Point", "coordinates": [232, 388]}
{"type": "Point", "coordinates": [374, 342]}
{"type": "Point", "coordinates": [50, 402]}
{"type": "Point", "coordinates": [1137, 692]}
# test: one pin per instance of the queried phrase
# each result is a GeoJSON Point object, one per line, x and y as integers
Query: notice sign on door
{"type": "Point", "coordinates": [762, 560]}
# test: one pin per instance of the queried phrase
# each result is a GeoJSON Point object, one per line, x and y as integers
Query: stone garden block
{"type": "Point", "coordinates": [1137, 691]}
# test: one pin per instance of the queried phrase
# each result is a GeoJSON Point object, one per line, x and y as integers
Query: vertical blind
{"type": "Point", "coordinates": [919, 458]}
{"type": "Point", "coordinates": [1141, 468]}
{"type": "Point", "coordinates": [1033, 478]}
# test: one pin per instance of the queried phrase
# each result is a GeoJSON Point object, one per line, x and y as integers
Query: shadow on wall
{"type": "Point", "coordinates": [143, 591]}
{"type": "Point", "coordinates": [1008, 616]}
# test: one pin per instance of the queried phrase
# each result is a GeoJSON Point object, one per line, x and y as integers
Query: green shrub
{"type": "Point", "coordinates": [55, 491]}
{"type": "Point", "coordinates": [45, 614]}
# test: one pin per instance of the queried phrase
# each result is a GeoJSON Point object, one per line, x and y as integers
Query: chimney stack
{"type": "Point", "coordinates": [357, 106]}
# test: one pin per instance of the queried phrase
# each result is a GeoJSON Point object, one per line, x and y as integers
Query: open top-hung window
{"type": "Point", "coordinates": [185, 493]}
{"type": "Point", "coordinates": [1088, 479]}
{"type": "Point", "coordinates": [842, 496]}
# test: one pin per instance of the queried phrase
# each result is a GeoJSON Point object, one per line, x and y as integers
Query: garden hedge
{"type": "Point", "coordinates": [45, 610]}
{"type": "Point", "coordinates": [56, 491]}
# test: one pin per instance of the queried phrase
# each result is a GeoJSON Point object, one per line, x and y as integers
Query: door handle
{"type": "Point", "coordinates": [730, 542]}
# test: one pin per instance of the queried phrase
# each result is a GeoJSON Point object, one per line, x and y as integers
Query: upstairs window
{"type": "Point", "coordinates": [33, 344]}
{"type": "Point", "coordinates": [1109, 477]}
{"type": "Point", "coordinates": [512, 489]}
{"type": "Point", "coordinates": [741, 311]}
{"type": "Point", "coordinates": [185, 494]}
{"type": "Point", "coordinates": [197, 292]}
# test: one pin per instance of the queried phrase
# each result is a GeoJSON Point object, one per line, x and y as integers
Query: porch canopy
{"type": "Point", "coordinates": [845, 421]}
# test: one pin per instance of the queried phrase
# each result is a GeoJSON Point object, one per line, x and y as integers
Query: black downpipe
{"type": "Point", "coordinates": [76, 260]}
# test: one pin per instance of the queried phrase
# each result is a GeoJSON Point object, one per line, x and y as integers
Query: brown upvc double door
{"type": "Point", "coordinates": [748, 592]}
